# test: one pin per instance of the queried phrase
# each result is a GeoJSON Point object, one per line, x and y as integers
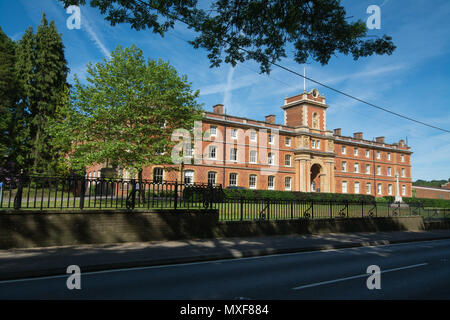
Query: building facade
{"type": "Point", "coordinates": [299, 155]}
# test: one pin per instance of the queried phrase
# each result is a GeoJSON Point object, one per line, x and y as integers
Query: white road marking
{"type": "Point", "coordinates": [357, 276]}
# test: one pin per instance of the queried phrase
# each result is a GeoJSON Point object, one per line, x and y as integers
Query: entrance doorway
{"type": "Point", "coordinates": [315, 177]}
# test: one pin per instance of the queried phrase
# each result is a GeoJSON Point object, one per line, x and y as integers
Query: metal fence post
{"type": "Point", "coordinates": [18, 197]}
{"type": "Point", "coordinates": [331, 209]}
{"type": "Point", "coordinates": [82, 193]}
{"type": "Point", "coordinates": [268, 209]}
{"type": "Point", "coordinates": [292, 209]}
{"type": "Point", "coordinates": [176, 195]}
{"type": "Point", "coordinates": [312, 209]}
{"type": "Point", "coordinates": [346, 204]}
{"type": "Point", "coordinates": [362, 209]}
{"type": "Point", "coordinates": [242, 208]}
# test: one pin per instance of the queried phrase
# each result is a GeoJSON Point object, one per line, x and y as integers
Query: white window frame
{"type": "Point", "coordinates": [271, 159]}
{"type": "Point", "coordinates": [380, 189]}
{"type": "Point", "coordinates": [403, 158]}
{"type": "Point", "coordinates": [389, 156]}
{"type": "Point", "coordinates": [356, 167]}
{"type": "Point", "coordinates": [287, 160]}
{"type": "Point", "coordinates": [255, 180]}
{"type": "Point", "coordinates": [288, 141]}
{"type": "Point", "coordinates": [356, 187]}
{"type": "Point", "coordinates": [189, 150]}
{"type": "Point", "coordinates": [390, 189]}
{"type": "Point", "coordinates": [378, 170]}
{"type": "Point", "coordinates": [213, 131]}
{"type": "Point", "coordinates": [210, 149]}
{"type": "Point", "coordinates": [344, 187]}
{"type": "Point", "coordinates": [287, 186]}
{"type": "Point", "coordinates": [234, 133]}
{"type": "Point", "coordinates": [368, 188]}
{"type": "Point", "coordinates": [403, 172]}
{"type": "Point", "coordinates": [378, 155]}
{"type": "Point", "coordinates": [270, 138]}
{"type": "Point", "coordinates": [389, 171]}
{"type": "Point", "coordinates": [191, 177]}
{"type": "Point", "coordinates": [253, 136]}
{"type": "Point", "coordinates": [250, 156]}
{"type": "Point", "coordinates": [233, 154]}
{"type": "Point", "coordinates": [233, 182]}
{"type": "Point", "coordinates": [344, 166]}
{"type": "Point", "coordinates": [344, 150]}
{"type": "Point", "coordinates": [156, 177]}
{"type": "Point", "coordinates": [355, 152]}
{"type": "Point", "coordinates": [271, 182]}
{"type": "Point", "coordinates": [367, 153]}
{"type": "Point", "coordinates": [403, 190]}
{"type": "Point", "coordinates": [367, 168]}
{"type": "Point", "coordinates": [210, 174]}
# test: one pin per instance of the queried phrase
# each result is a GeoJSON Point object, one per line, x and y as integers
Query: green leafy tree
{"type": "Point", "coordinates": [261, 30]}
{"type": "Point", "coordinates": [42, 70]}
{"type": "Point", "coordinates": [125, 115]}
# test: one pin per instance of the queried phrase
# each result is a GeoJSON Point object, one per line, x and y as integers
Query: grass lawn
{"type": "Point", "coordinates": [229, 210]}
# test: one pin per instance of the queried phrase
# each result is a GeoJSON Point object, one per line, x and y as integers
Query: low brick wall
{"type": "Point", "coordinates": [43, 229]}
{"type": "Point", "coordinates": [437, 224]}
{"type": "Point", "coordinates": [261, 228]}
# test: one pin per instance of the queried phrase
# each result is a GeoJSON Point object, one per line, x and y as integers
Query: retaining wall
{"type": "Point", "coordinates": [43, 229]}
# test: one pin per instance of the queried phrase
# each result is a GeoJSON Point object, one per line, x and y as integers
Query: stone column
{"type": "Point", "coordinates": [398, 197]}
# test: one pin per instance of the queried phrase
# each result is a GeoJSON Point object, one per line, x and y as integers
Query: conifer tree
{"type": "Point", "coordinates": [8, 94]}
{"type": "Point", "coordinates": [42, 71]}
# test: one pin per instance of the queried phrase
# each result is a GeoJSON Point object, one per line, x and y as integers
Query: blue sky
{"type": "Point", "coordinates": [414, 81]}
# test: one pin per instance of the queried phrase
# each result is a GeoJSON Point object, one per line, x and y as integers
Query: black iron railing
{"type": "Point", "coordinates": [265, 209]}
{"type": "Point", "coordinates": [37, 192]}
{"type": "Point", "coordinates": [45, 193]}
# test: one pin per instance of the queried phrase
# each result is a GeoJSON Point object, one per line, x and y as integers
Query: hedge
{"type": "Point", "coordinates": [426, 203]}
{"type": "Point", "coordinates": [248, 194]}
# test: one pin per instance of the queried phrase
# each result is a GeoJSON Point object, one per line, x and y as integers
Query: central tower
{"type": "Point", "coordinates": [314, 145]}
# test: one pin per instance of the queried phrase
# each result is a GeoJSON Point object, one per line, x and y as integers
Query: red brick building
{"type": "Point", "coordinates": [432, 193]}
{"type": "Point", "coordinates": [299, 155]}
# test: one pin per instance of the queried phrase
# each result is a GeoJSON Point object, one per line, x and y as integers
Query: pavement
{"type": "Point", "coordinates": [48, 261]}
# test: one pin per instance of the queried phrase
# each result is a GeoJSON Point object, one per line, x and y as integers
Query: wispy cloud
{"type": "Point", "coordinates": [95, 38]}
{"type": "Point", "coordinates": [228, 90]}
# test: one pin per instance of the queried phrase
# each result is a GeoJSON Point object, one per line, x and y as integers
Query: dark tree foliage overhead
{"type": "Point", "coordinates": [262, 30]}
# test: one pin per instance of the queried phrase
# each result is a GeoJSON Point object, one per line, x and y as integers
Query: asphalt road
{"type": "Point", "coordinates": [417, 270]}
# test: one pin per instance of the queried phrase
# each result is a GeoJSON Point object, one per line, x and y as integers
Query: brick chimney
{"type": "Point", "coordinates": [337, 132]}
{"type": "Point", "coordinates": [218, 108]}
{"type": "Point", "coordinates": [380, 139]}
{"type": "Point", "coordinates": [358, 135]}
{"type": "Point", "coordinates": [270, 118]}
